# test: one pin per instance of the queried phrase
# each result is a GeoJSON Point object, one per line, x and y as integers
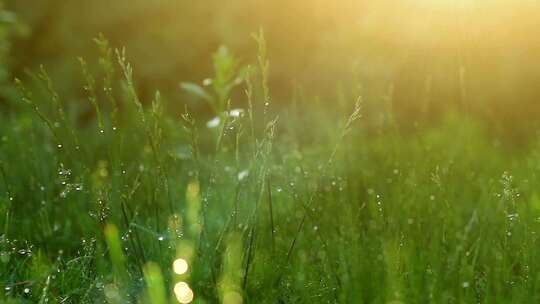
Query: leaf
{"type": "Point", "coordinates": [196, 90]}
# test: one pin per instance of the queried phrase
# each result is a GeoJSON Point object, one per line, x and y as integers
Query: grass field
{"type": "Point", "coordinates": [255, 203]}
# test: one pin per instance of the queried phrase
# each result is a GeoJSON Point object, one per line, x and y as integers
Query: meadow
{"type": "Point", "coordinates": [122, 198]}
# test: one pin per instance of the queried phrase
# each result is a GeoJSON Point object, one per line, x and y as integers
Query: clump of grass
{"type": "Point", "coordinates": [268, 205]}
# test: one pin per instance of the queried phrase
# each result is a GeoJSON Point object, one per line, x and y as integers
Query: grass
{"type": "Point", "coordinates": [306, 203]}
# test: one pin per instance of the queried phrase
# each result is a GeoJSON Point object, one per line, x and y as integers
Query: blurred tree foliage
{"type": "Point", "coordinates": [427, 57]}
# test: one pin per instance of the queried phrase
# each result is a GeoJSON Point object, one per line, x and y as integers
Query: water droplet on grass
{"type": "Point", "coordinates": [243, 174]}
{"type": "Point", "coordinates": [236, 113]}
{"type": "Point", "coordinates": [183, 293]}
{"type": "Point", "coordinates": [180, 266]}
{"type": "Point", "coordinates": [207, 82]}
{"type": "Point", "coordinates": [213, 123]}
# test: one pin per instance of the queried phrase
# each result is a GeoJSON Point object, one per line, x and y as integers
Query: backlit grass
{"type": "Point", "coordinates": [305, 203]}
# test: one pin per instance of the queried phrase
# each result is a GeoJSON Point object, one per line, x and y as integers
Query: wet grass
{"type": "Point", "coordinates": [302, 203]}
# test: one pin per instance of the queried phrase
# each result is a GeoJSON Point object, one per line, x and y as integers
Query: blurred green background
{"type": "Point", "coordinates": [420, 58]}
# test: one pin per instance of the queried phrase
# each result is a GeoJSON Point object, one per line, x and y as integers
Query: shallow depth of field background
{"type": "Point", "coordinates": [481, 58]}
{"type": "Point", "coordinates": [269, 151]}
